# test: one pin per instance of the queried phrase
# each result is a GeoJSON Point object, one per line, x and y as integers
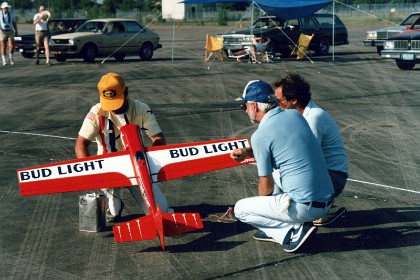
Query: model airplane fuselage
{"type": "Point", "coordinates": [139, 166]}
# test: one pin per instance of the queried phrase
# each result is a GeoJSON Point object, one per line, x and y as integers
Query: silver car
{"type": "Point", "coordinates": [106, 37]}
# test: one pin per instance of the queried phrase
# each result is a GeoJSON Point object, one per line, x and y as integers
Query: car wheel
{"type": "Point", "coordinates": [323, 46]}
{"type": "Point", "coordinates": [146, 51]}
{"type": "Point", "coordinates": [89, 53]}
{"type": "Point", "coordinates": [60, 57]}
{"type": "Point", "coordinates": [405, 65]}
{"type": "Point", "coordinates": [379, 49]}
{"type": "Point", "coordinates": [119, 56]}
{"type": "Point", "coordinates": [270, 49]}
{"type": "Point", "coordinates": [28, 55]}
{"type": "Point", "coordinates": [285, 53]}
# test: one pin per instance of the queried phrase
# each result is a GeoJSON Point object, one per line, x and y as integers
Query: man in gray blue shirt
{"type": "Point", "coordinates": [293, 92]}
{"type": "Point", "coordinates": [283, 141]}
{"type": "Point", "coordinates": [8, 31]}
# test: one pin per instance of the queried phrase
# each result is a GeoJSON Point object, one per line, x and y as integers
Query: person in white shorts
{"type": "Point", "coordinates": [8, 31]}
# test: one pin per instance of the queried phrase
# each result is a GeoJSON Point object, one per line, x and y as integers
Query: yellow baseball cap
{"type": "Point", "coordinates": [111, 89]}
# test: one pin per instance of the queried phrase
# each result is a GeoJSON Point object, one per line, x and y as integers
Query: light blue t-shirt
{"type": "Point", "coordinates": [285, 141]}
{"type": "Point", "coordinates": [328, 134]}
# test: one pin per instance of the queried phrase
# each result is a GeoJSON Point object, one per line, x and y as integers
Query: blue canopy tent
{"type": "Point", "coordinates": [287, 9]}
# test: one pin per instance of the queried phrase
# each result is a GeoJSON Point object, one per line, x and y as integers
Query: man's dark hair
{"type": "Point", "coordinates": [295, 87]}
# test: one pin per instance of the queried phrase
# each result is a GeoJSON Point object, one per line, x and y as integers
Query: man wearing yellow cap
{"type": "Point", "coordinates": [102, 124]}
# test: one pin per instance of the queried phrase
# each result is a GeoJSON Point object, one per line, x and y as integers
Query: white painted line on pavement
{"type": "Point", "coordinates": [385, 186]}
{"type": "Point", "coordinates": [37, 134]}
{"type": "Point", "coordinates": [69, 138]}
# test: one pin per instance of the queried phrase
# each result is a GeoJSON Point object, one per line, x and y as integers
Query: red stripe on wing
{"type": "Point", "coordinates": [198, 166]}
{"type": "Point", "coordinates": [77, 183]}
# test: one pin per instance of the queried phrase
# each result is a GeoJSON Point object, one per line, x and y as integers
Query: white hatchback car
{"type": "Point", "coordinates": [106, 37]}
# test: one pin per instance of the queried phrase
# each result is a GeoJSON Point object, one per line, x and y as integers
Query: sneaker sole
{"type": "Point", "coordinates": [265, 239]}
{"type": "Point", "coordinates": [311, 230]}
{"type": "Point", "coordinates": [333, 218]}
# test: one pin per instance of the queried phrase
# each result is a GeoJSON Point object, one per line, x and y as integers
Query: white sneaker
{"type": "Point", "coordinates": [12, 62]}
{"type": "Point", "coordinates": [4, 62]}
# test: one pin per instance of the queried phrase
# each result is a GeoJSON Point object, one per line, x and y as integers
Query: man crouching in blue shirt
{"type": "Point", "coordinates": [283, 141]}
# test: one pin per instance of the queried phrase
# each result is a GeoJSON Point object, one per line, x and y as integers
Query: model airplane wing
{"type": "Point", "coordinates": [181, 160]}
{"type": "Point", "coordinates": [117, 169]}
{"type": "Point", "coordinates": [105, 171]}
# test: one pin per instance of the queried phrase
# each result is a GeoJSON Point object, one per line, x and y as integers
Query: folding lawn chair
{"type": "Point", "coordinates": [214, 46]}
{"type": "Point", "coordinates": [302, 46]}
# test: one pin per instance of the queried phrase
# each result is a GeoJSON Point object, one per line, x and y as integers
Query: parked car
{"type": "Point", "coordinates": [285, 33]}
{"type": "Point", "coordinates": [405, 47]}
{"type": "Point", "coordinates": [26, 45]}
{"type": "Point", "coordinates": [105, 37]}
{"type": "Point", "coordinates": [376, 38]}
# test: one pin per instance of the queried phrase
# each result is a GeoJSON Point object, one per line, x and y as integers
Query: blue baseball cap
{"type": "Point", "coordinates": [257, 91]}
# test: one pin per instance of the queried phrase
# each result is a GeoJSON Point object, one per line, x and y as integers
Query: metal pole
{"type": "Point", "coordinates": [333, 33]}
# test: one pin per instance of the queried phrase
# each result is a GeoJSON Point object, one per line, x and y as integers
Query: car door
{"type": "Point", "coordinates": [115, 39]}
{"type": "Point", "coordinates": [284, 34]}
{"type": "Point", "coordinates": [137, 35]}
{"type": "Point", "coordinates": [310, 26]}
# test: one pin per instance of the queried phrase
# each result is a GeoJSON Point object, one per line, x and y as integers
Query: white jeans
{"type": "Point", "coordinates": [114, 199]}
{"type": "Point", "coordinates": [263, 213]}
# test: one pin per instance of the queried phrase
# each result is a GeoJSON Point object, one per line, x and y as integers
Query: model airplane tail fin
{"type": "Point", "coordinates": [147, 228]}
{"type": "Point", "coordinates": [177, 223]}
{"type": "Point", "coordinates": [143, 228]}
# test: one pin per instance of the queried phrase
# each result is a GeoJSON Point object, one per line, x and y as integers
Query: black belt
{"type": "Point", "coordinates": [317, 204]}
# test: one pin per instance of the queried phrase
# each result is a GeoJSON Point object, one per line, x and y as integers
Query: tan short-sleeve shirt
{"type": "Point", "coordinates": [138, 113]}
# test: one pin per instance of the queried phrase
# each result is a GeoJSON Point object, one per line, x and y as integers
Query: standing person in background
{"type": "Point", "coordinates": [8, 31]}
{"type": "Point", "coordinates": [293, 92]}
{"type": "Point", "coordinates": [42, 34]}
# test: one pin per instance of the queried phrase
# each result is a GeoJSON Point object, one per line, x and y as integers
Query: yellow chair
{"type": "Point", "coordinates": [213, 46]}
{"type": "Point", "coordinates": [302, 46]}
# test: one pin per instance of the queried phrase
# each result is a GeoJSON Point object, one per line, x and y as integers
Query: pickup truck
{"type": "Point", "coordinates": [25, 44]}
{"type": "Point", "coordinates": [376, 37]}
{"type": "Point", "coordinates": [284, 34]}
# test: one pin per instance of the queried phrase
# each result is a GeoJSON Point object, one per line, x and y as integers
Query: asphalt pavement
{"type": "Point", "coordinates": [375, 104]}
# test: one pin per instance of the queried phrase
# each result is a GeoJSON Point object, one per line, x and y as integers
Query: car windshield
{"type": "Point", "coordinates": [92, 26]}
{"type": "Point", "coordinates": [410, 20]}
{"type": "Point", "coordinates": [269, 23]}
{"type": "Point", "coordinates": [63, 25]}
{"type": "Point", "coordinates": [327, 20]}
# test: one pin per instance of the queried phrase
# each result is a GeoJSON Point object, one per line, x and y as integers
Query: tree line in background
{"type": "Point", "coordinates": [89, 8]}
{"type": "Point", "coordinates": [110, 7]}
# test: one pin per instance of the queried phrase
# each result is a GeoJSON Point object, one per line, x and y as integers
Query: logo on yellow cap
{"type": "Point", "coordinates": [109, 93]}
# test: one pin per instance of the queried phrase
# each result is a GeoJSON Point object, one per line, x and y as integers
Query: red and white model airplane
{"type": "Point", "coordinates": [139, 166]}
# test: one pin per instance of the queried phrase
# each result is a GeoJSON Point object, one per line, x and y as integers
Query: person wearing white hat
{"type": "Point", "coordinates": [42, 34]}
{"type": "Point", "coordinates": [8, 31]}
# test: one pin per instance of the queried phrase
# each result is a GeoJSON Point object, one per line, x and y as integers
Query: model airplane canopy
{"type": "Point", "coordinates": [286, 9]}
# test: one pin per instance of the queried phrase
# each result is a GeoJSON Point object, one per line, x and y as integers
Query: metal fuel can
{"type": "Point", "coordinates": [91, 212]}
